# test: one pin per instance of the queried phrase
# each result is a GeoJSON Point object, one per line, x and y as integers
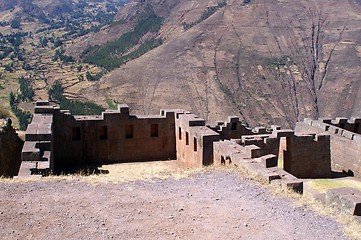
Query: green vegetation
{"type": "Point", "coordinates": [4, 113]}
{"type": "Point", "coordinates": [26, 91]}
{"type": "Point", "coordinates": [75, 107]}
{"type": "Point", "coordinates": [24, 117]}
{"type": "Point", "coordinates": [95, 77]}
{"type": "Point", "coordinates": [206, 14]}
{"type": "Point", "coordinates": [323, 185]}
{"type": "Point", "coordinates": [8, 67]}
{"type": "Point", "coordinates": [144, 48]}
{"type": "Point", "coordinates": [15, 24]}
{"type": "Point", "coordinates": [62, 22]}
{"type": "Point", "coordinates": [111, 55]}
{"type": "Point", "coordinates": [276, 63]}
{"type": "Point", "coordinates": [112, 104]}
{"type": "Point", "coordinates": [89, 51]}
{"type": "Point", "coordinates": [59, 54]}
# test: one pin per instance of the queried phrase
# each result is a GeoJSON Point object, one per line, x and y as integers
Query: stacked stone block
{"type": "Point", "coordinates": [194, 140]}
{"type": "Point", "coordinates": [345, 145]}
{"type": "Point", "coordinates": [36, 154]}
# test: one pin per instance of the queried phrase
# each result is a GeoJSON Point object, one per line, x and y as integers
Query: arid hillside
{"type": "Point", "coordinates": [33, 37]}
{"type": "Point", "coordinates": [268, 61]}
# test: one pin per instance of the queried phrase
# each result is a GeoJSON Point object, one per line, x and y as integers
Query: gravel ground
{"type": "Point", "coordinates": [212, 205]}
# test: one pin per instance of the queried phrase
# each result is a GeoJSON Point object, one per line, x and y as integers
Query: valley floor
{"type": "Point", "coordinates": [214, 204]}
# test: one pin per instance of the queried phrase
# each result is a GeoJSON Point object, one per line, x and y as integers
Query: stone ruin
{"type": "Point", "coordinates": [315, 149]}
{"type": "Point", "coordinates": [345, 141]}
{"type": "Point", "coordinates": [11, 145]}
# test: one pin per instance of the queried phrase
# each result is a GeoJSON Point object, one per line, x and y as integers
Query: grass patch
{"type": "Point", "coordinates": [4, 113]}
{"type": "Point", "coordinates": [112, 104]}
{"type": "Point", "coordinates": [322, 185]}
{"type": "Point", "coordinates": [206, 14]}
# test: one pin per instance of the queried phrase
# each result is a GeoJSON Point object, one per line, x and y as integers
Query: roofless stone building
{"type": "Point", "coordinates": [56, 140]}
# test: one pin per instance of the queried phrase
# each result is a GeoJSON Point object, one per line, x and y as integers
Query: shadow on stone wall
{"type": "Point", "coordinates": [10, 149]}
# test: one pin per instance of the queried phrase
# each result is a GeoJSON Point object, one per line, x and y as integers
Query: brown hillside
{"type": "Point", "coordinates": [276, 61]}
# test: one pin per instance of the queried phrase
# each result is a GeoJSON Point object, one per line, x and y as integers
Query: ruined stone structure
{"type": "Point", "coordinates": [345, 141]}
{"type": "Point", "coordinates": [10, 149]}
{"type": "Point", "coordinates": [56, 139]}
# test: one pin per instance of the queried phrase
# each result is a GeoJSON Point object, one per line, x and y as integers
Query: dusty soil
{"type": "Point", "coordinates": [212, 205]}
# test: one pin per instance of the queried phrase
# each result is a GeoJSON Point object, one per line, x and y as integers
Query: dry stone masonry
{"type": "Point", "coordinates": [345, 141]}
{"type": "Point", "coordinates": [11, 146]}
{"type": "Point", "coordinates": [315, 149]}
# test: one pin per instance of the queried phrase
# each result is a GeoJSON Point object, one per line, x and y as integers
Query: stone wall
{"type": "Point", "coordinates": [113, 137]}
{"type": "Point", "coordinates": [345, 145]}
{"type": "Point", "coordinates": [194, 140]}
{"type": "Point", "coordinates": [10, 149]}
{"type": "Point", "coordinates": [302, 156]}
{"type": "Point", "coordinates": [116, 136]}
{"type": "Point", "coordinates": [232, 128]}
{"type": "Point", "coordinates": [264, 167]}
{"type": "Point", "coordinates": [308, 156]}
{"type": "Point", "coordinates": [352, 125]}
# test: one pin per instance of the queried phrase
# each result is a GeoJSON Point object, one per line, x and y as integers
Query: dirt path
{"type": "Point", "coordinates": [212, 205]}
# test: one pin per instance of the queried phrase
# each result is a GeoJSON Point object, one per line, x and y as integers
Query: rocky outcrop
{"type": "Point", "coordinates": [10, 149]}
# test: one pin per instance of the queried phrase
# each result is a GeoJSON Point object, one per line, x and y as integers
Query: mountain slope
{"type": "Point", "coordinates": [267, 61]}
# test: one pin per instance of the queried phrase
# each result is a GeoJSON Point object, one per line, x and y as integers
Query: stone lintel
{"type": "Point", "coordinates": [191, 120]}
{"type": "Point", "coordinates": [123, 109]}
{"type": "Point", "coordinates": [339, 120]}
{"type": "Point", "coordinates": [355, 120]}
{"type": "Point", "coordinates": [44, 109]}
{"type": "Point", "coordinates": [275, 127]}
{"type": "Point", "coordinates": [42, 103]}
{"type": "Point", "coordinates": [325, 119]}
{"type": "Point", "coordinates": [283, 133]}
{"type": "Point", "coordinates": [260, 130]}
{"type": "Point", "coordinates": [232, 119]}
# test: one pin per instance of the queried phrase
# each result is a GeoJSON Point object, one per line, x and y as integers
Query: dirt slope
{"type": "Point", "coordinates": [215, 205]}
{"type": "Point", "coordinates": [267, 61]}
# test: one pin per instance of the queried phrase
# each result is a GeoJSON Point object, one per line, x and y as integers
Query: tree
{"type": "Point", "coordinates": [12, 99]}
{"type": "Point", "coordinates": [26, 91]}
{"type": "Point", "coordinates": [15, 24]}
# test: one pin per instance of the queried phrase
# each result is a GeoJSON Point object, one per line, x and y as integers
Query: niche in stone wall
{"type": "Point", "coordinates": [154, 130]}
{"type": "Point", "coordinates": [76, 136]}
{"type": "Point", "coordinates": [129, 131]}
{"type": "Point", "coordinates": [103, 133]}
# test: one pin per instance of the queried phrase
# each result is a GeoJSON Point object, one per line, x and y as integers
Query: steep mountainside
{"type": "Point", "coordinates": [33, 37]}
{"type": "Point", "coordinates": [266, 60]}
